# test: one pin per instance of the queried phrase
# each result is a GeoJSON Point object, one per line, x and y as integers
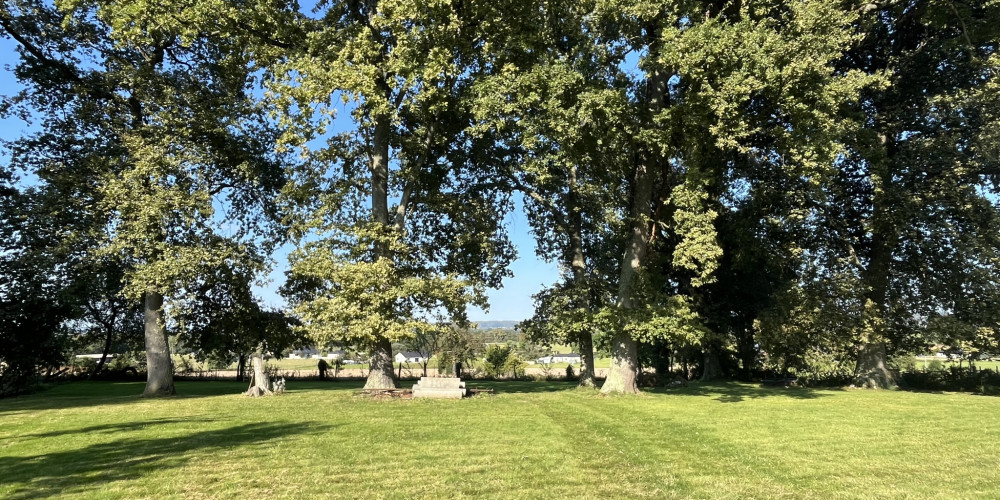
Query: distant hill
{"type": "Point", "coordinates": [503, 325]}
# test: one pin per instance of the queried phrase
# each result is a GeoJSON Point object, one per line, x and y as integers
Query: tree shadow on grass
{"type": "Point", "coordinates": [103, 393]}
{"type": "Point", "coordinates": [521, 386]}
{"type": "Point", "coordinates": [736, 392]}
{"type": "Point", "coordinates": [82, 470]}
{"type": "Point", "coordinates": [115, 428]}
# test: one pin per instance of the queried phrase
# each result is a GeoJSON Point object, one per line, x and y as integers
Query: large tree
{"type": "Point", "coordinates": [397, 225]}
{"type": "Point", "coordinates": [716, 81]}
{"type": "Point", "coordinates": [35, 303]}
{"type": "Point", "coordinates": [165, 136]}
{"type": "Point", "coordinates": [912, 206]}
{"type": "Point", "coordinates": [562, 112]}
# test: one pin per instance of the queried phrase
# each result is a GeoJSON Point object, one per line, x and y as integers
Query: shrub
{"type": "Point", "coordinates": [515, 366]}
{"type": "Point", "coordinates": [954, 379]}
{"type": "Point", "coordinates": [497, 358]}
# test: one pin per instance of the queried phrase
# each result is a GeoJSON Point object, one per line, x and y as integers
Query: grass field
{"type": "Point", "coordinates": [530, 440]}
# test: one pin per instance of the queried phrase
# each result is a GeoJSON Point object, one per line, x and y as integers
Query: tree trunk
{"type": "Point", "coordinates": [380, 374]}
{"type": "Point", "coordinates": [623, 374]}
{"type": "Point", "coordinates": [712, 369]}
{"type": "Point", "coordinates": [159, 368]}
{"type": "Point", "coordinates": [260, 383]}
{"type": "Point", "coordinates": [579, 266]}
{"type": "Point", "coordinates": [241, 368]}
{"type": "Point", "coordinates": [748, 353]}
{"type": "Point", "coordinates": [109, 336]}
{"type": "Point", "coordinates": [872, 371]}
{"type": "Point", "coordinates": [587, 377]}
{"type": "Point", "coordinates": [661, 362]}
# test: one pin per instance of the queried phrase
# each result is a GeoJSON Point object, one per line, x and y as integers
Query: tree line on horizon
{"type": "Point", "coordinates": [792, 186]}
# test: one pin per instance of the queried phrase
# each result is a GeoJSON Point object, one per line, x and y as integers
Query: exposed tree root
{"type": "Point", "coordinates": [256, 391]}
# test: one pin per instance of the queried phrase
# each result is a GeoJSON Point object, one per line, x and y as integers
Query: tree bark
{"type": "Point", "coordinates": [380, 375]}
{"type": "Point", "coordinates": [579, 266]}
{"type": "Point", "coordinates": [712, 369]}
{"type": "Point", "coordinates": [872, 371]}
{"type": "Point", "coordinates": [623, 374]}
{"type": "Point", "coordinates": [159, 367]}
{"type": "Point", "coordinates": [241, 368]}
{"type": "Point", "coordinates": [587, 377]}
{"type": "Point", "coordinates": [108, 337]}
{"type": "Point", "coordinates": [380, 372]}
{"type": "Point", "coordinates": [260, 384]}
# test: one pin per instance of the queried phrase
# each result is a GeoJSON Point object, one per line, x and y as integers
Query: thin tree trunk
{"type": "Point", "coordinates": [587, 376]}
{"type": "Point", "coordinates": [241, 368]}
{"type": "Point", "coordinates": [380, 374]}
{"type": "Point", "coordinates": [748, 354]}
{"type": "Point", "coordinates": [260, 384]}
{"type": "Point", "coordinates": [159, 368]}
{"type": "Point", "coordinates": [661, 363]}
{"type": "Point", "coordinates": [109, 336]}
{"type": "Point", "coordinates": [579, 266]}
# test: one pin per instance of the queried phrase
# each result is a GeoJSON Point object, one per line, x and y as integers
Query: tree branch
{"type": "Point", "coordinates": [66, 70]}
{"type": "Point", "coordinates": [421, 162]}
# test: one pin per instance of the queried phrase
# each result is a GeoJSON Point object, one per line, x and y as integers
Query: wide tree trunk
{"type": "Point", "coordinates": [623, 373]}
{"type": "Point", "coordinates": [380, 374]}
{"type": "Point", "coordinates": [159, 367]}
{"type": "Point", "coordinates": [712, 369]}
{"type": "Point", "coordinates": [260, 383]}
{"type": "Point", "coordinates": [872, 371]}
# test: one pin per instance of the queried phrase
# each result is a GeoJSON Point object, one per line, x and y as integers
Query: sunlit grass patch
{"type": "Point", "coordinates": [529, 440]}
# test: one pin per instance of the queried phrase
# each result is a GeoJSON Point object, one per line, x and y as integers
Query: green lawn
{"type": "Point", "coordinates": [530, 440]}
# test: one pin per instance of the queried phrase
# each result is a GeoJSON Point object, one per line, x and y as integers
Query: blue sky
{"type": "Point", "coordinates": [512, 302]}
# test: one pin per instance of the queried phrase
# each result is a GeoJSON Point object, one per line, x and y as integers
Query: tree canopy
{"type": "Point", "coordinates": [785, 187]}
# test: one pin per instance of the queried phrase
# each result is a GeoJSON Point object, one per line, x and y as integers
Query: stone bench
{"type": "Point", "coordinates": [440, 387]}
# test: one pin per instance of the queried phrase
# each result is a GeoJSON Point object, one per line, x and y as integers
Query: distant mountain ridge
{"type": "Point", "coordinates": [503, 325]}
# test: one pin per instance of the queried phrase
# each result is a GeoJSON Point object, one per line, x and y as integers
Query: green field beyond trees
{"type": "Point", "coordinates": [529, 440]}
